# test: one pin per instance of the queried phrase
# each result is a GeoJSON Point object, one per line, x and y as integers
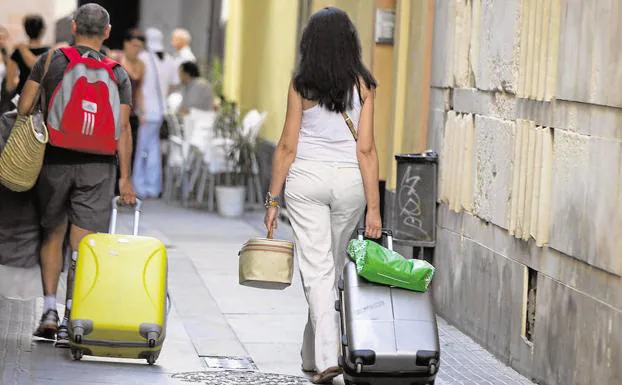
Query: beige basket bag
{"type": "Point", "coordinates": [267, 263]}
{"type": "Point", "coordinates": [21, 159]}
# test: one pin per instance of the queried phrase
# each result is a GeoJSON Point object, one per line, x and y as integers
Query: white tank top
{"type": "Point", "coordinates": [325, 136]}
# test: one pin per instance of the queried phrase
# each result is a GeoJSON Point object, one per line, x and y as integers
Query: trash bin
{"type": "Point", "coordinates": [414, 209]}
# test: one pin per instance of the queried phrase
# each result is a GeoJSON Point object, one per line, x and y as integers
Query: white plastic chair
{"type": "Point", "coordinates": [174, 101]}
{"type": "Point", "coordinates": [254, 129]}
{"type": "Point", "coordinates": [175, 159]}
{"type": "Point", "coordinates": [250, 119]}
{"type": "Point", "coordinates": [199, 133]}
{"type": "Point", "coordinates": [216, 161]}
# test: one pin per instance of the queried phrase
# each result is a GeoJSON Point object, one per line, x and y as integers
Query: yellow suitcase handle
{"type": "Point", "coordinates": [115, 210]}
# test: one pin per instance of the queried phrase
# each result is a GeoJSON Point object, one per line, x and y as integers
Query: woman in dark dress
{"type": "Point", "coordinates": [133, 44]}
{"type": "Point", "coordinates": [25, 55]}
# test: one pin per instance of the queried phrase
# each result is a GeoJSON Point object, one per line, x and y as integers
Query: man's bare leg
{"type": "Point", "coordinates": [51, 266]}
{"type": "Point", "coordinates": [76, 235]}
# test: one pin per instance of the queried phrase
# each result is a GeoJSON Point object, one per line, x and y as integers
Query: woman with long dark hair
{"type": "Point", "coordinates": [25, 55]}
{"type": "Point", "coordinates": [327, 158]}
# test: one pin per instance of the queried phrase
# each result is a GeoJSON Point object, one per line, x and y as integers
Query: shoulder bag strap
{"type": "Point", "coordinates": [346, 117]}
{"type": "Point", "coordinates": [39, 99]}
{"type": "Point", "coordinates": [158, 86]}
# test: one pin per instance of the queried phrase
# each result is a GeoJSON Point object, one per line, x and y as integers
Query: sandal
{"type": "Point", "coordinates": [326, 377]}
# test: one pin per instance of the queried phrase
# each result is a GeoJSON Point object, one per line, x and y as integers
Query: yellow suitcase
{"type": "Point", "coordinates": [119, 301]}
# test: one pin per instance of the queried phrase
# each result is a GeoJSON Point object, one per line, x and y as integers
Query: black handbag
{"type": "Point", "coordinates": [165, 132]}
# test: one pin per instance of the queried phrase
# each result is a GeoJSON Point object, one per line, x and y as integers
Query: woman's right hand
{"type": "Point", "coordinates": [271, 219]}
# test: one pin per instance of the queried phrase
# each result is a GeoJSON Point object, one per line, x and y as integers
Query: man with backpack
{"type": "Point", "coordinates": [86, 98]}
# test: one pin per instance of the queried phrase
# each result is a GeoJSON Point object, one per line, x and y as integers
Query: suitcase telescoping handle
{"type": "Point", "coordinates": [115, 211]}
{"type": "Point", "coordinates": [385, 232]}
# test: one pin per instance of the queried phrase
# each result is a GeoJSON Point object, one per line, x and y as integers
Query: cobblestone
{"type": "Point", "coordinates": [239, 377]}
{"type": "Point", "coordinates": [16, 324]}
{"type": "Point", "coordinates": [463, 361]}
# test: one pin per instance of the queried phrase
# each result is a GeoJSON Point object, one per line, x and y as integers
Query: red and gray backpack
{"type": "Point", "coordinates": [83, 113]}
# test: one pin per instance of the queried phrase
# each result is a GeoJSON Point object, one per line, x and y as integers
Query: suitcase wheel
{"type": "Point", "coordinates": [151, 359]}
{"type": "Point", "coordinates": [77, 354]}
{"type": "Point", "coordinates": [78, 332]}
{"type": "Point", "coordinates": [152, 343]}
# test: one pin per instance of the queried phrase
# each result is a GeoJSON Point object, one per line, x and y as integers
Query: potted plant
{"type": "Point", "coordinates": [238, 151]}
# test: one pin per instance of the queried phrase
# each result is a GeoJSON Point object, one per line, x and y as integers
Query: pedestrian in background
{"type": "Point", "coordinates": [196, 92]}
{"type": "Point", "coordinates": [4, 59]}
{"type": "Point", "coordinates": [25, 54]}
{"type": "Point", "coordinates": [133, 45]}
{"type": "Point", "coordinates": [180, 40]}
{"type": "Point", "coordinates": [159, 79]}
{"type": "Point", "coordinates": [327, 157]}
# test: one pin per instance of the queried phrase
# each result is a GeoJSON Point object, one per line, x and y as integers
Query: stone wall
{"type": "Point", "coordinates": [526, 112]}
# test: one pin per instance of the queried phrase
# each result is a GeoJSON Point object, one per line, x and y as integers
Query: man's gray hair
{"type": "Point", "coordinates": [91, 20]}
{"type": "Point", "coordinates": [183, 33]}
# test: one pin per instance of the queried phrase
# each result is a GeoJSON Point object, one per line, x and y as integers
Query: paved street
{"type": "Point", "coordinates": [218, 333]}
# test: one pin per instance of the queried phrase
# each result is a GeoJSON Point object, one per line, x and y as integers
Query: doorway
{"type": "Point", "coordinates": [123, 16]}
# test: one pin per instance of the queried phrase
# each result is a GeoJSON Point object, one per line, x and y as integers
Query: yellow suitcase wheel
{"type": "Point", "coordinates": [77, 354]}
{"type": "Point", "coordinates": [151, 359]}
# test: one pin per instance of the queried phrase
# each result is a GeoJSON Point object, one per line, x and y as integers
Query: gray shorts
{"type": "Point", "coordinates": [80, 192]}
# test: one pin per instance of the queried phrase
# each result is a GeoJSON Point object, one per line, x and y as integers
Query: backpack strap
{"type": "Point", "coordinates": [73, 55]}
{"type": "Point", "coordinates": [110, 66]}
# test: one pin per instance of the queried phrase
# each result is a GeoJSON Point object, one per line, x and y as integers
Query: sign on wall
{"type": "Point", "coordinates": [385, 26]}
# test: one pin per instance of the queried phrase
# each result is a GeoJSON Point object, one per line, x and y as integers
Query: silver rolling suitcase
{"type": "Point", "coordinates": [389, 335]}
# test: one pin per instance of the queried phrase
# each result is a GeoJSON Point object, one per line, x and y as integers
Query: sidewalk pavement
{"type": "Point", "coordinates": [218, 332]}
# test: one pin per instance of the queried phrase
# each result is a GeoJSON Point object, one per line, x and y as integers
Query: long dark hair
{"type": "Point", "coordinates": [330, 61]}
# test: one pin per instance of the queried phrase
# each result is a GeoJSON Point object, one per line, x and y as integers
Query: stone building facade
{"type": "Point", "coordinates": [526, 112]}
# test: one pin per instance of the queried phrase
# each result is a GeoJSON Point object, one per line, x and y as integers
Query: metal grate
{"type": "Point", "coordinates": [237, 363]}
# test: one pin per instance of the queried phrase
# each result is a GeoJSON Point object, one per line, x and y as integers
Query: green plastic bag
{"type": "Point", "coordinates": [380, 265]}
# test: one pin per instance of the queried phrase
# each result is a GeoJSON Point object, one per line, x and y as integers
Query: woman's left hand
{"type": "Point", "coordinates": [373, 224]}
{"type": "Point", "coordinates": [271, 219]}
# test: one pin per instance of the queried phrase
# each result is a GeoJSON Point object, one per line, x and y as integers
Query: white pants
{"type": "Point", "coordinates": [325, 202]}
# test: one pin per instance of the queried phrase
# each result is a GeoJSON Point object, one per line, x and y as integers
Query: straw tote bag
{"type": "Point", "coordinates": [22, 157]}
{"type": "Point", "coordinates": [267, 263]}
